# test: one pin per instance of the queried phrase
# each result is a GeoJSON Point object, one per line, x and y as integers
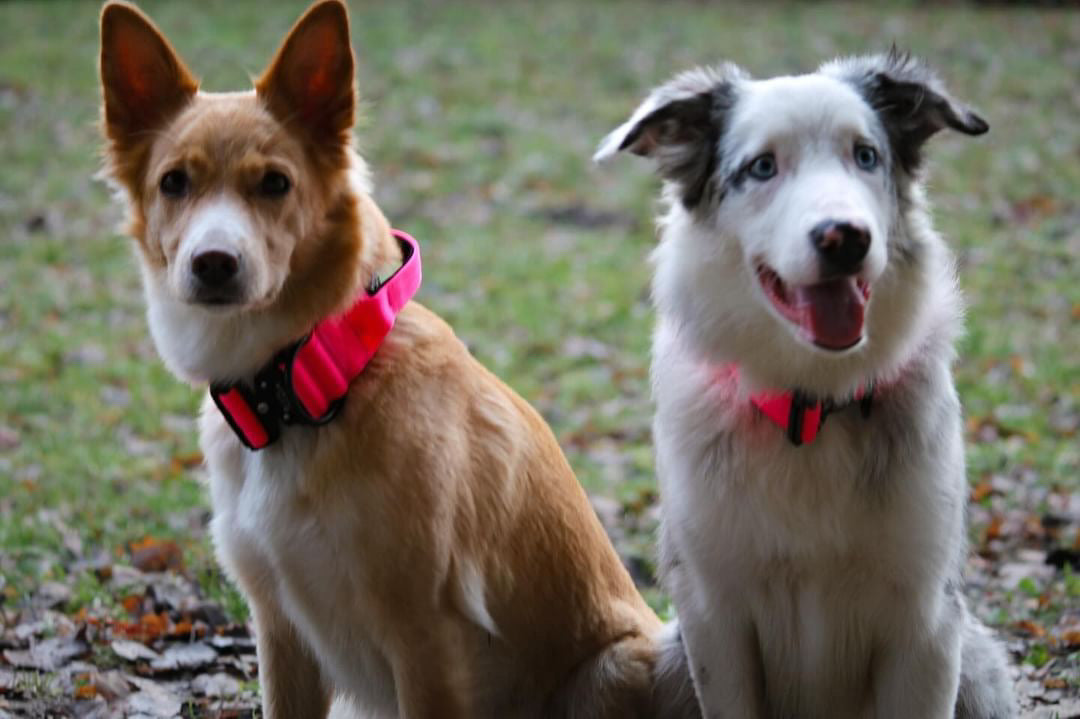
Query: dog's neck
{"type": "Point", "coordinates": [799, 414]}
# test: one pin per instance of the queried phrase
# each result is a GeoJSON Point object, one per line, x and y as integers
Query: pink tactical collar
{"type": "Point", "coordinates": [306, 382]}
{"type": "Point", "coordinates": [799, 413]}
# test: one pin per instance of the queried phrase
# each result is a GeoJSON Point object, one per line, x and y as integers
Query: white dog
{"type": "Point", "coordinates": [816, 567]}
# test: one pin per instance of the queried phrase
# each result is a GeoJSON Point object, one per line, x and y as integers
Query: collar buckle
{"type": "Point", "coordinates": [271, 401]}
{"type": "Point", "coordinates": [802, 415]}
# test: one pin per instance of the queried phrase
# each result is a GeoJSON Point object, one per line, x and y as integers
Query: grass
{"type": "Point", "coordinates": [480, 119]}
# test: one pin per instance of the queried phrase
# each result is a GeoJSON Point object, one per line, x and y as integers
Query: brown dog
{"type": "Point", "coordinates": [427, 552]}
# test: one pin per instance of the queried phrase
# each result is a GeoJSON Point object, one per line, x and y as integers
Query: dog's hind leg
{"type": "Point", "coordinates": [985, 684]}
{"type": "Point", "coordinates": [616, 683]}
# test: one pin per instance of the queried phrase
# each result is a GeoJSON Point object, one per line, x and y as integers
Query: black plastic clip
{"type": "Point", "coordinates": [796, 415]}
{"type": "Point", "coordinates": [272, 399]}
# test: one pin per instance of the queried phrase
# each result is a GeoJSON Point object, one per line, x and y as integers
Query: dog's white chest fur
{"type": "Point", "coordinates": [265, 528]}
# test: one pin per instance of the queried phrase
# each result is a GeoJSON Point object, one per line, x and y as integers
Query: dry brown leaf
{"type": "Point", "coordinates": [982, 490]}
{"type": "Point", "coordinates": [154, 625]}
{"type": "Point", "coordinates": [1030, 628]}
{"type": "Point", "coordinates": [186, 461]}
{"type": "Point", "coordinates": [993, 530]}
{"type": "Point", "coordinates": [155, 555]}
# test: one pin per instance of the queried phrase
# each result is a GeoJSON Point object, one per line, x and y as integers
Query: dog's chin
{"type": "Point", "coordinates": [226, 303]}
{"type": "Point", "coordinates": [827, 317]}
{"type": "Point", "coordinates": [220, 306]}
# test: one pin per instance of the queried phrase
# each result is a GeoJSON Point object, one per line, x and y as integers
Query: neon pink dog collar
{"type": "Point", "coordinates": [798, 413]}
{"type": "Point", "coordinates": [801, 416]}
{"type": "Point", "coordinates": [306, 383]}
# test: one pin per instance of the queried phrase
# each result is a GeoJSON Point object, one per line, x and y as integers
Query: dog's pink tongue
{"type": "Point", "coordinates": [832, 312]}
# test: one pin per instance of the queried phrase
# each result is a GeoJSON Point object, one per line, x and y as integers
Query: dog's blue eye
{"type": "Point", "coordinates": [175, 183]}
{"type": "Point", "coordinates": [866, 157]}
{"type": "Point", "coordinates": [763, 167]}
{"type": "Point", "coordinates": [274, 184]}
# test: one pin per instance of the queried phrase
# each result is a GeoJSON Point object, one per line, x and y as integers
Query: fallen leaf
{"type": "Point", "coordinates": [112, 686]}
{"type": "Point", "coordinates": [122, 576]}
{"type": "Point", "coordinates": [155, 702]}
{"type": "Point", "coordinates": [215, 685]}
{"type": "Point", "coordinates": [50, 594]}
{"type": "Point", "coordinates": [153, 555]}
{"type": "Point", "coordinates": [133, 651]}
{"type": "Point", "coordinates": [232, 645]}
{"type": "Point", "coordinates": [993, 530]}
{"type": "Point", "coordinates": [1030, 628]}
{"type": "Point", "coordinates": [1034, 207]}
{"type": "Point", "coordinates": [48, 655]}
{"type": "Point", "coordinates": [186, 461]}
{"type": "Point", "coordinates": [154, 625]}
{"type": "Point", "coordinates": [185, 656]}
{"type": "Point", "coordinates": [172, 591]}
{"type": "Point", "coordinates": [982, 490]}
{"type": "Point", "coordinates": [181, 629]}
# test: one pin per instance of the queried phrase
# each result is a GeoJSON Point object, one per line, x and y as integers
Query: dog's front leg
{"type": "Point", "coordinates": [429, 675]}
{"type": "Point", "coordinates": [721, 647]}
{"type": "Point", "coordinates": [290, 679]}
{"type": "Point", "coordinates": [918, 673]}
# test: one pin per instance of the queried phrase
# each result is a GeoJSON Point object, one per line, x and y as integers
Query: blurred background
{"type": "Point", "coordinates": [479, 121]}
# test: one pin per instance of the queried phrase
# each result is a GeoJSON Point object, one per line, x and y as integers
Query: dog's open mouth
{"type": "Point", "coordinates": [830, 314]}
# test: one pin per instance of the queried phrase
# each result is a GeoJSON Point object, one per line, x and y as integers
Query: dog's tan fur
{"type": "Point", "coordinates": [429, 553]}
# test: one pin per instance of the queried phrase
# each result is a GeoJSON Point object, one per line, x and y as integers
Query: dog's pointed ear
{"type": "Point", "coordinates": [309, 83]}
{"type": "Point", "coordinates": [910, 99]}
{"type": "Point", "coordinates": [679, 126]}
{"type": "Point", "coordinates": [143, 80]}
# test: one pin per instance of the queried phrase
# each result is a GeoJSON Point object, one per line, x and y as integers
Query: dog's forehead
{"type": "Point", "coordinates": [222, 124]}
{"type": "Point", "coordinates": [799, 107]}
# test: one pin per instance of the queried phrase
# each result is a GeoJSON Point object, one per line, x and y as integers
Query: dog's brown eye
{"type": "Point", "coordinates": [274, 184]}
{"type": "Point", "coordinates": [175, 183]}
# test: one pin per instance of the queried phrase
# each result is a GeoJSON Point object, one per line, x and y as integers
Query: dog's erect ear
{"type": "Point", "coordinates": [680, 125]}
{"type": "Point", "coordinates": [144, 81]}
{"type": "Point", "coordinates": [911, 101]}
{"type": "Point", "coordinates": [309, 83]}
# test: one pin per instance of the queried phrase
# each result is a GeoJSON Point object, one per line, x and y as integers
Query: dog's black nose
{"type": "Point", "coordinates": [842, 245]}
{"type": "Point", "coordinates": [215, 268]}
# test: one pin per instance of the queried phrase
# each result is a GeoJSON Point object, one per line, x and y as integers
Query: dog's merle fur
{"type": "Point", "coordinates": [824, 580]}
